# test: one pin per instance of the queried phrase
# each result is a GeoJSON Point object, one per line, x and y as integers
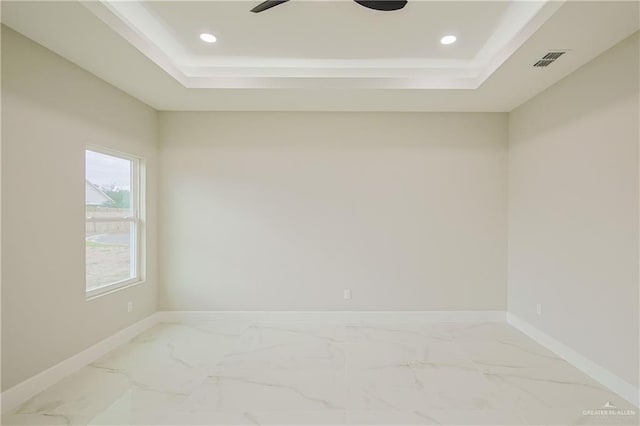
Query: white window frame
{"type": "Point", "coordinates": [135, 219]}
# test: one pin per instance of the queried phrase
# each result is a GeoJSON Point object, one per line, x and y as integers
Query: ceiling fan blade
{"type": "Point", "coordinates": [382, 4]}
{"type": "Point", "coordinates": [267, 5]}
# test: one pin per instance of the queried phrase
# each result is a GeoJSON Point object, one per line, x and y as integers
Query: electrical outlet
{"type": "Point", "coordinates": [539, 309]}
{"type": "Point", "coordinates": [130, 307]}
{"type": "Point", "coordinates": [347, 294]}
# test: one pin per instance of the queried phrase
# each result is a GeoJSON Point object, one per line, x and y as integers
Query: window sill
{"type": "Point", "coordinates": [112, 288]}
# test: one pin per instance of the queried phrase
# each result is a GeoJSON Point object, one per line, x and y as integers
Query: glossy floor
{"type": "Point", "coordinates": [320, 373]}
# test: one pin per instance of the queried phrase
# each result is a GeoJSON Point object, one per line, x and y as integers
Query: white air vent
{"type": "Point", "coordinates": [549, 58]}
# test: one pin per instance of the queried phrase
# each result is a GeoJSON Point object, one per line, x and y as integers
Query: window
{"type": "Point", "coordinates": [113, 224]}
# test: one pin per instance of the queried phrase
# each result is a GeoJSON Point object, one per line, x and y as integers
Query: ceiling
{"type": "Point", "coordinates": [314, 43]}
{"type": "Point", "coordinates": [328, 55]}
{"type": "Point", "coordinates": [326, 29]}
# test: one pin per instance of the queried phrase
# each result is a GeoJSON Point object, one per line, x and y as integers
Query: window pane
{"type": "Point", "coordinates": [110, 252]}
{"type": "Point", "coordinates": [110, 237]}
{"type": "Point", "coordinates": [108, 185]}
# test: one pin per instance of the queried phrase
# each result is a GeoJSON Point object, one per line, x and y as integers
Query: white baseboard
{"type": "Point", "coordinates": [626, 390]}
{"type": "Point", "coordinates": [335, 317]}
{"type": "Point", "coordinates": [16, 395]}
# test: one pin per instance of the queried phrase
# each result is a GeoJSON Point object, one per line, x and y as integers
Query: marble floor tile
{"type": "Point", "coordinates": [275, 418]}
{"type": "Point", "coordinates": [270, 390]}
{"type": "Point", "coordinates": [310, 372]}
{"type": "Point", "coordinates": [287, 346]}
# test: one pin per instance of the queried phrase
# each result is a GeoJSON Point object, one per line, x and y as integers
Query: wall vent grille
{"type": "Point", "coordinates": [548, 59]}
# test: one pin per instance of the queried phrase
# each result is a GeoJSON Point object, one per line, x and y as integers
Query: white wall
{"type": "Point", "coordinates": [284, 210]}
{"type": "Point", "coordinates": [573, 210]}
{"type": "Point", "coordinates": [50, 110]}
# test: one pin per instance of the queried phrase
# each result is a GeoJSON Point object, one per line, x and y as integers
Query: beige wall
{"type": "Point", "coordinates": [573, 210]}
{"type": "Point", "coordinates": [285, 210]}
{"type": "Point", "coordinates": [50, 110]}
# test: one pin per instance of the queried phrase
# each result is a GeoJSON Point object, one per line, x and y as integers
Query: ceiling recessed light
{"type": "Point", "coordinates": [448, 39]}
{"type": "Point", "coordinates": [208, 38]}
